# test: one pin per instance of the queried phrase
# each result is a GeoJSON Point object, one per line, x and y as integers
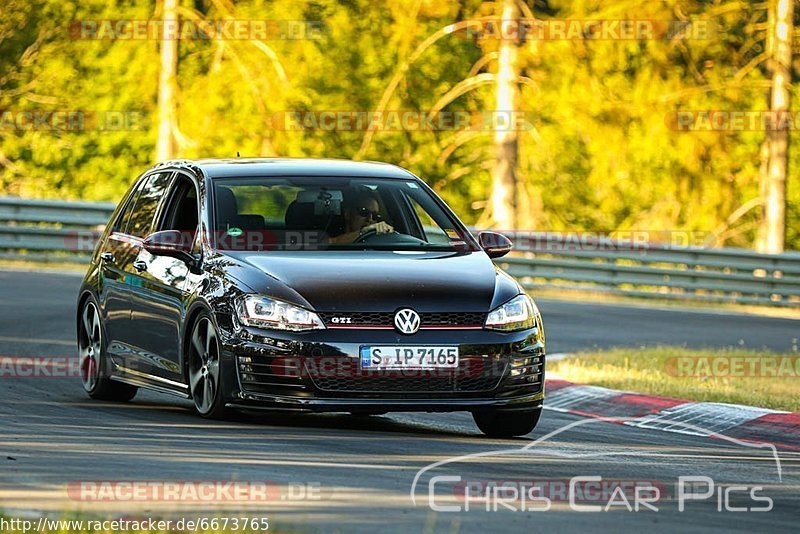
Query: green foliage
{"type": "Point", "coordinates": [56, 73]}
{"type": "Point", "coordinates": [601, 154]}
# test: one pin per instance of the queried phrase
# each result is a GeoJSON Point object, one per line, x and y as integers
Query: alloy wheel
{"type": "Point", "coordinates": [90, 346]}
{"type": "Point", "coordinates": [204, 365]}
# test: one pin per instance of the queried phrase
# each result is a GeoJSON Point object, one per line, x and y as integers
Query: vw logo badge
{"type": "Point", "coordinates": [406, 321]}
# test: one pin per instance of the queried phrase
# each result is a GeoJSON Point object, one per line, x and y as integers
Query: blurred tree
{"type": "Point", "coordinates": [599, 154]}
{"type": "Point", "coordinates": [503, 201]}
{"type": "Point", "coordinates": [167, 81]}
{"type": "Point", "coordinates": [772, 230]}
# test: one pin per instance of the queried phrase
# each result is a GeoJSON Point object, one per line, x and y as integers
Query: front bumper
{"type": "Point", "coordinates": [319, 371]}
{"type": "Point", "coordinates": [316, 404]}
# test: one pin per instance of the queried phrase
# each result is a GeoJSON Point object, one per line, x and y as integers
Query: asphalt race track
{"type": "Point", "coordinates": [346, 473]}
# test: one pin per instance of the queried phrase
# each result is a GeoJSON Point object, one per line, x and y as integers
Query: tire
{"type": "Point", "coordinates": [204, 373]}
{"type": "Point", "coordinates": [93, 358]}
{"type": "Point", "coordinates": [508, 424]}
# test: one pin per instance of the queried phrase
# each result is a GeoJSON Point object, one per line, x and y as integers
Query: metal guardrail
{"type": "Point", "coordinates": [58, 231]}
{"type": "Point", "coordinates": [50, 230]}
{"type": "Point", "coordinates": [654, 270]}
{"type": "Point", "coordinates": [81, 214]}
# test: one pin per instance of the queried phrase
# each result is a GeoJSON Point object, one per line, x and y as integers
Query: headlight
{"type": "Point", "coordinates": [518, 313]}
{"type": "Point", "coordinates": [264, 312]}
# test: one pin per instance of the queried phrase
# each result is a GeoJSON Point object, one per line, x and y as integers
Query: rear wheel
{"type": "Point", "coordinates": [204, 369]}
{"type": "Point", "coordinates": [506, 424]}
{"type": "Point", "coordinates": [92, 358]}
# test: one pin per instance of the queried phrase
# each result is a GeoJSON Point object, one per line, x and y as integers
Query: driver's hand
{"type": "Point", "coordinates": [379, 227]}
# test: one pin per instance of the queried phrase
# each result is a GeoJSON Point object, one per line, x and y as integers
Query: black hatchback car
{"type": "Point", "coordinates": [310, 285]}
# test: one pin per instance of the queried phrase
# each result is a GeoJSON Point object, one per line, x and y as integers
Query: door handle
{"type": "Point", "coordinates": [107, 256]}
{"type": "Point", "coordinates": [140, 265]}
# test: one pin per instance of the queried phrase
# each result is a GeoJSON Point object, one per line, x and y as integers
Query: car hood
{"type": "Point", "coordinates": [376, 280]}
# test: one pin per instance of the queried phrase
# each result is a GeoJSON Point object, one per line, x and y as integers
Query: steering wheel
{"type": "Point", "coordinates": [366, 236]}
{"type": "Point", "coordinates": [392, 238]}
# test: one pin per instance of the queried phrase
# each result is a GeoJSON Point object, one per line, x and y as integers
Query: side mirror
{"type": "Point", "coordinates": [494, 244]}
{"type": "Point", "coordinates": [173, 243]}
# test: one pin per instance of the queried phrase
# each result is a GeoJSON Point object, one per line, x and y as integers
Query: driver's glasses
{"type": "Point", "coordinates": [366, 212]}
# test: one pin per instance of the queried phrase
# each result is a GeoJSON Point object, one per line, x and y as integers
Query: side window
{"type": "Point", "coordinates": [144, 211]}
{"type": "Point", "coordinates": [121, 222]}
{"type": "Point", "coordinates": [181, 212]}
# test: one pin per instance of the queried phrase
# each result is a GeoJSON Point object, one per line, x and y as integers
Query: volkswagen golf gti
{"type": "Point", "coordinates": [307, 285]}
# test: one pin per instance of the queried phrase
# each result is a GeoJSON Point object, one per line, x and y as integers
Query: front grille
{"type": "Point", "coordinates": [386, 319]}
{"type": "Point", "coordinates": [474, 374]}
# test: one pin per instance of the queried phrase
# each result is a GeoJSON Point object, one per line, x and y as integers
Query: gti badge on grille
{"type": "Point", "coordinates": [406, 321]}
{"type": "Point", "coordinates": [342, 320]}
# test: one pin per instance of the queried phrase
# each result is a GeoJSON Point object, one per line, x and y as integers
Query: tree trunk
{"type": "Point", "coordinates": [503, 199]}
{"type": "Point", "coordinates": [772, 230]}
{"type": "Point", "coordinates": [165, 146]}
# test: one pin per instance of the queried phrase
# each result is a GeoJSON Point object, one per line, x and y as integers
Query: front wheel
{"type": "Point", "coordinates": [506, 424]}
{"type": "Point", "coordinates": [205, 378]}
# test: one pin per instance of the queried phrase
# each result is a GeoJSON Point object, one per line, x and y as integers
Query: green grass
{"type": "Point", "coordinates": [690, 374]}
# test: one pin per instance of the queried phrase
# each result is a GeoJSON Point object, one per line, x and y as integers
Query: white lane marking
{"type": "Point", "coordinates": [562, 400]}
{"type": "Point", "coordinates": [715, 417]}
{"type": "Point", "coordinates": [38, 341]}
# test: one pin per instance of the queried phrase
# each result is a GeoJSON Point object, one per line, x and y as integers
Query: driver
{"type": "Point", "coordinates": [361, 212]}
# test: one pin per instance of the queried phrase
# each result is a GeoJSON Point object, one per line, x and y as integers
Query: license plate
{"type": "Point", "coordinates": [408, 357]}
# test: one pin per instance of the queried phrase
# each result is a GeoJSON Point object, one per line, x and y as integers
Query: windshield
{"type": "Point", "coordinates": [280, 213]}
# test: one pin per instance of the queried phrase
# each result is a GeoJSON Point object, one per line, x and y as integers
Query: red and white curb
{"type": "Point", "coordinates": [711, 419]}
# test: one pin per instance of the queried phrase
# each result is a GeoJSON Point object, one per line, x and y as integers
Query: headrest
{"type": "Point", "coordinates": [300, 216]}
{"type": "Point", "coordinates": [227, 208]}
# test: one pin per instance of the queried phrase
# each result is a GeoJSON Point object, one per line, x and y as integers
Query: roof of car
{"type": "Point", "coordinates": [251, 167]}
